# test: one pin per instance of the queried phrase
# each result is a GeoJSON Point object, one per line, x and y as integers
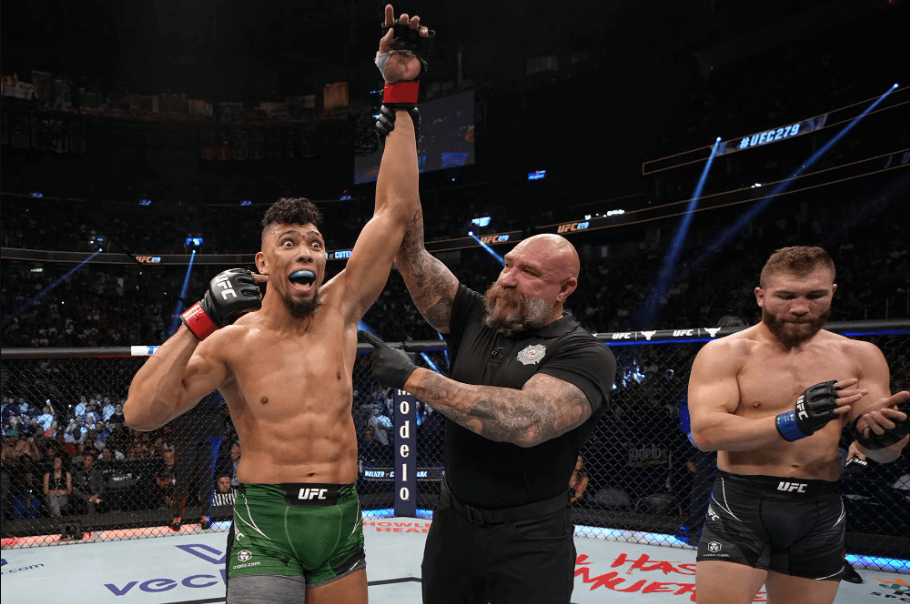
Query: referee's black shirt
{"type": "Point", "coordinates": [495, 475]}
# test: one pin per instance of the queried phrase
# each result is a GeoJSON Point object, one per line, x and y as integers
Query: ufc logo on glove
{"type": "Point", "coordinates": [225, 284]}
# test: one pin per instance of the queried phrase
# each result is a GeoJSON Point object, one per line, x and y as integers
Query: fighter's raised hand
{"type": "Point", "coordinates": [402, 50]}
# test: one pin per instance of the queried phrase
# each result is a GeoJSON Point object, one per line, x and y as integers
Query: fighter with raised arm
{"type": "Point", "coordinates": [284, 365]}
{"type": "Point", "coordinates": [772, 401]}
{"type": "Point", "coordinates": [527, 386]}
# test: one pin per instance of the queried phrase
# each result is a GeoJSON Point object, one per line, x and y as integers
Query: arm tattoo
{"type": "Point", "coordinates": [545, 408]}
{"type": "Point", "coordinates": [412, 243]}
{"type": "Point", "coordinates": [431, 284]}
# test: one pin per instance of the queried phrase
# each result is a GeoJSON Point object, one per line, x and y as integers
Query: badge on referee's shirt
{"type": "Point", "coordinates": [532, 355]}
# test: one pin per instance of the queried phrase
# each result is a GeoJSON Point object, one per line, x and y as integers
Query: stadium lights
{"type": "Point", "coordinates": [145, 202]}
{"type": "Point", "coordinates": [246, 202]}
{"type": "Point", "coordinates": [35, 194]}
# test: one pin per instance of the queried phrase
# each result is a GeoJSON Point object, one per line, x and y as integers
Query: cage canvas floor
{"type": "Point", "coordinates": [188, 569]}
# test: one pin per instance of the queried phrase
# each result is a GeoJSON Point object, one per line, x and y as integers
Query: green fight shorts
{"type": "Point", "coordinates": [308, 530]}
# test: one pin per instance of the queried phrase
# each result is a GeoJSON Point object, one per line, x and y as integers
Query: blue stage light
{"type": "Point", "coordinates": [731, 232]}
{"type": "Point", "coordinates": [488, 248]}
{"type": "Point", "coordinates": [10, 318]}
{"type": "Point", "coordinates": [175, 321]}
{"type": "Point", "coordinates": [665, 277]}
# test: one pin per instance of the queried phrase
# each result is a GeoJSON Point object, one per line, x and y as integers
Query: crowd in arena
{"type": "Point", "coordinates": [100, 464]}
{"type": "Point", "coordinates": [104, 305]}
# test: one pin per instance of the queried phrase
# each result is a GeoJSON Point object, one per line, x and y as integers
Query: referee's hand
{"type": "Point", "coordinates": [391, 367]}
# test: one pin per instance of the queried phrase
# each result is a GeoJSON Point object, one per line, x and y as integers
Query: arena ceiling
{"type": "Point", "coordinates": [242, 51]}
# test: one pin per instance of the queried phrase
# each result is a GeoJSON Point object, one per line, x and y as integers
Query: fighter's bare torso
{"type": "Point", "coordinates": [770, 380]}
{"type": "Point", "coordinates": [289, 390]}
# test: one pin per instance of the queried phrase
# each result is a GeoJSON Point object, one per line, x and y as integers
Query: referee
{"type": "Point", "coordinates": [527, 387]}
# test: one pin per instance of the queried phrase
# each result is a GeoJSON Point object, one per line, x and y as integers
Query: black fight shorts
{"type": "Point", "coordinates": [791, 526]}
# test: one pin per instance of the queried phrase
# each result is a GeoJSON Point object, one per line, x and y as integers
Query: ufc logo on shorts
{"type": "Point", "coordinates": [225, 284]}
{"type": "Point", "coordinates": [789, 487]}
{"type": "Point", "coordinates": [310, 494]}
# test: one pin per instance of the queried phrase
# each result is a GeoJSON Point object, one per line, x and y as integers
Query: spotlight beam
{"type": "Point", "coordinates": [488, 248]}
{"type": "Point", "coordinates": [652, 304]}
{"type": "Point", "coordinates": [764, 202]}
{"type": "Point", "coordinates": [11, 317]}
{"type": "Point", "coordinates": [175, 322]}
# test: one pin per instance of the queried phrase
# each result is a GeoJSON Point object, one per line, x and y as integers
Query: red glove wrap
{"type": "Point", "coordinates": [400, 92]}
{"type": "Point", "coordinates": [198, 322]}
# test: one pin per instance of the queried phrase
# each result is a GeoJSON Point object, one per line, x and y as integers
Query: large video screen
{"type": "Point", "coordinates": [446, 137]}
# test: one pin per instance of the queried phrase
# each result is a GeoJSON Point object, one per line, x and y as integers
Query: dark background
{"type": "Point", "coordinates": [627, 72]}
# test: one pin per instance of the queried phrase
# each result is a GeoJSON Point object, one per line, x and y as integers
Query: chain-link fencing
{"type": "Point", "coordinates": [639, 478]}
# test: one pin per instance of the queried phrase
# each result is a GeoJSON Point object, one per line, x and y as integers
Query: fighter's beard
{"type": "Point", "coordinates": [302, 309]}
{"type": "Point", "coordinates": [794, 334]}
{"type": "Point", "coordinates": [528, 313]}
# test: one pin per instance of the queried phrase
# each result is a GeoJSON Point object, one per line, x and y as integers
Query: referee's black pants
{"type": "Point", "coordinates": [526, 561]}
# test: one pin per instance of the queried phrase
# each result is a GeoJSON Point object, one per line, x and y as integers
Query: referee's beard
{"type": "Point", "coordinates": [527, 312]}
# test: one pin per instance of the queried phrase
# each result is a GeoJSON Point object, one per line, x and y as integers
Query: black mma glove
{"type": "Point", "coordinates": [410, 42]}
{"type": "Point", "coordinates": [231, 293]}
{"type": "Point", "coordinates": [391, 367]}
{"type": "Point", "coordinates": [883, 441]}
{"type": "Point", "coordinates": [386, 122]}
{"type": "Point", "coordinates": [814, 408]}
{"type": "Point", "coordinates": [855, 466]}
{"type": "Point", "coordinates": [406, 41]}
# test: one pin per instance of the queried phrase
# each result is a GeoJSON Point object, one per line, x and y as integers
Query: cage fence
{"type": "Point", "coordinates": [639, 478]}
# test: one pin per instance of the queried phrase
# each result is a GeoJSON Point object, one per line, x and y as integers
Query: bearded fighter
{"type": "Point", "coordinates": [772, 400]}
